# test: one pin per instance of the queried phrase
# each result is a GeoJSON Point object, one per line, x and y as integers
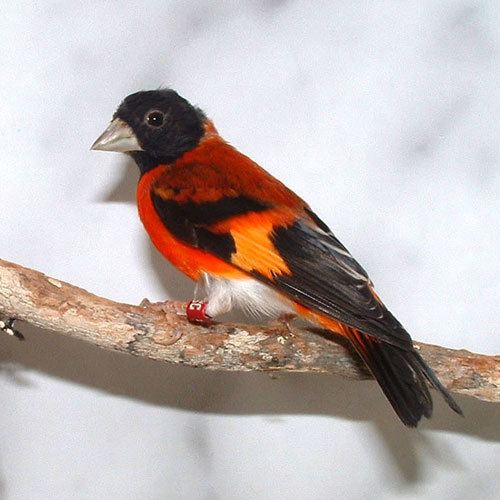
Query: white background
{"type": "Point", "coordinates": [382, 114]}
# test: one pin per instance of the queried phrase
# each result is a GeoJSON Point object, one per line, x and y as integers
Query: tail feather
{"type": "Point", "coordinates": [400, 371]}
{"type": "Point", "coordinates": [434, 381]}
{"type": "Point", "coordinates": [402, 375]}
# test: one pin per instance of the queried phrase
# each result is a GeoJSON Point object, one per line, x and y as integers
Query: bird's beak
{"type": "Point", "coordinates": [117, 137]}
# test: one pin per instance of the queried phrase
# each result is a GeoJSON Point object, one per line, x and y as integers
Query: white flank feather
{"type": "Point", "coordinates": [249, 295]}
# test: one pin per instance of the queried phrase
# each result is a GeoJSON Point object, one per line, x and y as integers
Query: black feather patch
{"type": "Point", "coordinates": [178, 222]}
{"type": "Point", "coordinates": [318, 221]}
{"type": "Point", "coordinates": [400, 376]}
{"type": "Point", "coordinates": [221, 245]}
{"type": "Point", "coordinates": [180, 130]}
{"type": "Point", "coordinates": [210, 212]}
{"type": "Point", "coordinates": [325, 277]}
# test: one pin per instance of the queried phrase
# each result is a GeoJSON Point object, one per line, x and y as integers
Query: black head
{"type": "Point", "coordinates": [155, 126]}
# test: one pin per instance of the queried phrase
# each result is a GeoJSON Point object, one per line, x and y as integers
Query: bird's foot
{"type": "Point", "coordinates": [196, 312]}
{"type": "Point", "coordinates": [284, 321]}
{"type": "Point", "coordinates": [7, 326]}
{"type": "Point", "coordinates": [145, 302]}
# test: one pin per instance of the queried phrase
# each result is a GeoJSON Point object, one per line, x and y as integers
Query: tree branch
{"type": "Point", "coordinates": [161, 332]}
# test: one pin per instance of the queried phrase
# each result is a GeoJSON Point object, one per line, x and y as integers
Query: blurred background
{"type": "Point", "coordinates": [382, 114]}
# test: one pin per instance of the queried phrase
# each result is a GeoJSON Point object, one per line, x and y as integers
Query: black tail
{"type": "Point", "coordinates": [403, 376]}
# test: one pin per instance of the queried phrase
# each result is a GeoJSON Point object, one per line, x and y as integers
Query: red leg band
{"type": "Point", "coordinates": [196, 312]}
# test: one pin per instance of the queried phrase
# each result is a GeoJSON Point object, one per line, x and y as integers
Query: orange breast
{"type": "Point", "coordinates": [191, 261]}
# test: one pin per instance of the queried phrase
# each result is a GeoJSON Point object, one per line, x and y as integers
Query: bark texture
{"type": "Point", "coordinates": [161, 332]}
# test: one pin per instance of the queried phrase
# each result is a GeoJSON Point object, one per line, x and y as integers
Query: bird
{"type": "Point", "coordinates": [250, 242]}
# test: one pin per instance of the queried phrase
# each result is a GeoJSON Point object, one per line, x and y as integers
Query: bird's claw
{"type": "Point", "coordinates": [284, 322]}
{"type": "Point", "coordinates": [7, 326]}
{"type": "Point", "coordinates": [145, 302]}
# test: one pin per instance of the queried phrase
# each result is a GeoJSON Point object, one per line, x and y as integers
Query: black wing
{"type": "Point", "coordinates": [326, 278]}
{"type": "Point", "coordinates": [323, 274]}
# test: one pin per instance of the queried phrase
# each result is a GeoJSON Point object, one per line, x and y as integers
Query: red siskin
{"type": "Point", "coordinates": [227, 223]}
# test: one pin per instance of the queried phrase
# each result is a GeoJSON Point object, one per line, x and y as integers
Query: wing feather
{"type": "Point", "coordinates": [297, 256]}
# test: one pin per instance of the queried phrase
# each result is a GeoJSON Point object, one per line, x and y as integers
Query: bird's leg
{"type": "Point", "coordinates": [145, 302]}
{"type": "Point", "coordinates": [217, 301]}
{"type": "Point", "coordinates": [284, 320]}
{"type": "Point", "coordinates": [196, 309]}
{"type": "Point", "coordinates": [7, 326]}
{"type": "Point", "coordinates": [196, 312]}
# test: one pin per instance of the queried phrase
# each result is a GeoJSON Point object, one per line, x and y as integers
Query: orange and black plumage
{"type": "Point", "coordinates": [224, 221]}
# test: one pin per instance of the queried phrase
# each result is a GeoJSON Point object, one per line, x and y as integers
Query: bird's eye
{"type": "Point", "coordinates": [155, 118]}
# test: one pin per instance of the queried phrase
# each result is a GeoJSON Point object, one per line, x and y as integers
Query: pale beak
{"type": "Point", "coordinates": [117, 137]}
